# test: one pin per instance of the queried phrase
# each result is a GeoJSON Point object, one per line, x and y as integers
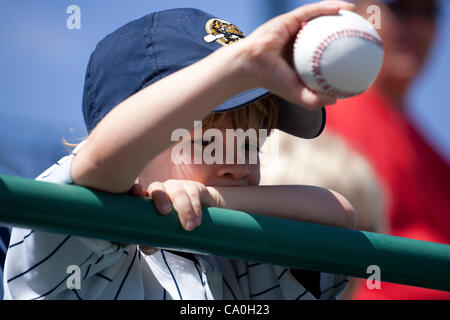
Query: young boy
{"type": "Point", "coordinates": [141, 85]}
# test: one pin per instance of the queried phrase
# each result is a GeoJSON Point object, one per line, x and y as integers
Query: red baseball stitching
{"type": "Point", "coordinates": [322, 46]}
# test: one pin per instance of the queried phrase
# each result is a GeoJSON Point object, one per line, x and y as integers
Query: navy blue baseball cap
{"type": "Point", "coordinates": [161, 43]}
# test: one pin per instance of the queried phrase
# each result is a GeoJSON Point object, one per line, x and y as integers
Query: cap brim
{"type": "Point", "coordinates": [292, 119]}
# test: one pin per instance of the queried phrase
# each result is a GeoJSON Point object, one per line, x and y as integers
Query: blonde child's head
{"type": "Point", "coordinates": [258, 115]}
{"type": "Point", "coordinates": [329, 162]}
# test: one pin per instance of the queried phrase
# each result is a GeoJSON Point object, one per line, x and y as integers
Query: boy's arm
{"type": "Point", "coordinates": [296, 202]}
{"type": "Point", "coordinates": [139, 128]}
{"type": "Point", "coordinates": [43, 265]}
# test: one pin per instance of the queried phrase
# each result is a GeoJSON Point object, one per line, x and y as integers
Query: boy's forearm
{"type": "Point", "coordinates": [140, 127]}
{"type": "Point", "coordinates": [303, 203]}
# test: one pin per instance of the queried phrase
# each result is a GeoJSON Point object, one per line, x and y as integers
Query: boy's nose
{"type": "Point", "coordinates": [234, 172]}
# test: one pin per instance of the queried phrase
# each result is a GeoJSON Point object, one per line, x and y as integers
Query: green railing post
{"type": "Point", "coordinates": [75, 210]}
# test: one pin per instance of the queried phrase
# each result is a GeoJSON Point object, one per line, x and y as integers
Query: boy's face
{"type": "Point", "coordinates": [164, 167]}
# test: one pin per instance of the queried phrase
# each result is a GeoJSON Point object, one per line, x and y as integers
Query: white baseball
{"type": "Point", "coordinates": [339, 55]}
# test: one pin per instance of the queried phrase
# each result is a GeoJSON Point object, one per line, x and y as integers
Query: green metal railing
{"type": "Point", "coordinates": [75, 210]}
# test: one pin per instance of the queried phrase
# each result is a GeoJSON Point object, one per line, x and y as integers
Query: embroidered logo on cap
{"type": "Point", "coordinates": [222, 31]}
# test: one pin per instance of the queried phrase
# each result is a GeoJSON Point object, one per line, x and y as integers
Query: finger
{"type": "Point", "coordinates": [294, 19]}
{"type": "Point", "coordinates": [326, 99]}
{"type": "Point", "coordinates": [182, 205]}
{"type": "Point", "coordinates": [292, 89]}
{"type": "Point", "coordinates": [160, 198]}
{"type": "Point", "coordinates": [194, 195]}
{"type": "Point", "coordinates": [313, 100]}
{"type": "Point", "coordinates": [313, 10]}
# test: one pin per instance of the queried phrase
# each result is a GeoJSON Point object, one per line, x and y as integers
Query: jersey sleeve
{"type": "Point", "coordinates": [42, 265]}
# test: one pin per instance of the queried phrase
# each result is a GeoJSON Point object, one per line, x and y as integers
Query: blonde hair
{"type": "Point", "coordinates": [328, 162]}
{"type": "Point", "coordinates": [259, 114]}
{"type": "Point", "coordinates": [68, 145]}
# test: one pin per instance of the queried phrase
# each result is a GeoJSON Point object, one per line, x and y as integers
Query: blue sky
{"type": "Point", "coordinates": [43, 63]}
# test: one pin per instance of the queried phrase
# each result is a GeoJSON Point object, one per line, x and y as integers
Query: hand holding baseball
{"type": "Point", "coordinates": [270, 54]}
{"type": "Point", "coordinates": [338, 55]}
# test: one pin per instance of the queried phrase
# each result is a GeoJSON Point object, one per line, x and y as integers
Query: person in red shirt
{"type": "Point", "coordinates": [415, 177]}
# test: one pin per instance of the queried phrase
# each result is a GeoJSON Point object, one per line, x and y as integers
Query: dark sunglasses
{"type": "Point", "coordinates": [425, 8]}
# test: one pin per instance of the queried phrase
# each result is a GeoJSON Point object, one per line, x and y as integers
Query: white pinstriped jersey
{"type": "Point", "coordinates": [37, 263]}
{"type": "Point", "coordinates": [4, 240]}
